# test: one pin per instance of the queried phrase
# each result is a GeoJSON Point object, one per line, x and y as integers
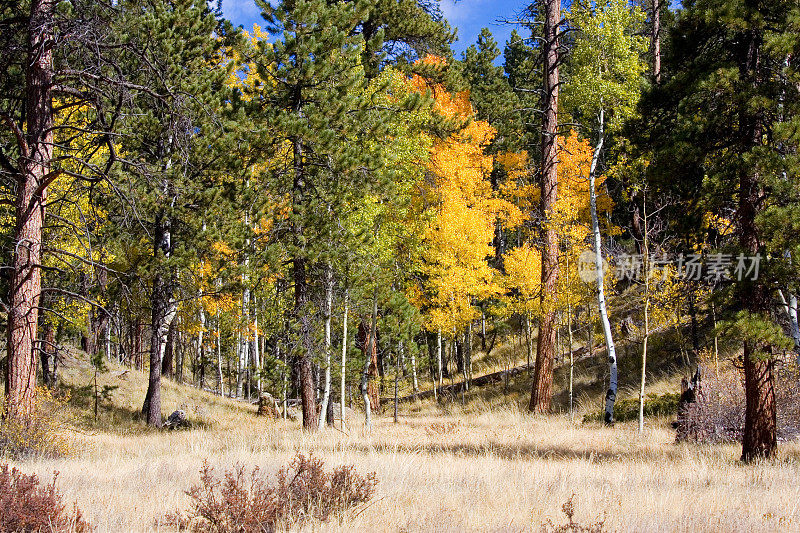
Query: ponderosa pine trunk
{"type": "Point", "coordinates": [36, 149]}
{"type": "Point", "coordinates": [655, 40]}
{"type": "Point", "coordinates": [542, 387]}
{"type": "Point", "coordinates": [163, 311]}
{"type": "Point", "coordinates": [302, 361]}
{"type": "Point", "coordinates": [760, 421]}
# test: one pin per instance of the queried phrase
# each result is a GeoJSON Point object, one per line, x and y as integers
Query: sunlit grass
{"type": "Point", "coordinates": [459, 468]}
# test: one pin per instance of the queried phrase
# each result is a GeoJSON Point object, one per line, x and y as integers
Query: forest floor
{"type": "Point", "coordinates": [473, 467]}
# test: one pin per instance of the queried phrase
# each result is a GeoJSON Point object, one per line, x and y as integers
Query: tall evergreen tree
{"type": "Point", "coordinates": [402, 31]}
{"type": "Point", "coordinates": [317, 124]}
{"type": "Point", "coordinates": [725, 122]}
{"type": "Point", "coordinates": [179, 144]}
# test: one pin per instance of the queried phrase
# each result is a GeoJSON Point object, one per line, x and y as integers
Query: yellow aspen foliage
{"type": "Point", "coordinates": [460, 231]}
{"type": "Point", "coordinates": [571, 218]}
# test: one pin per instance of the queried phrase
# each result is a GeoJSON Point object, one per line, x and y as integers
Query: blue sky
{"type": "Point", "coordinates": [469, 16]}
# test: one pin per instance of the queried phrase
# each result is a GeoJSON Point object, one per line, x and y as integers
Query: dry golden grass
{"type": "Point", "coordinates": [479, 467]}
{"type": "Point", "coordinates": [497, 470]}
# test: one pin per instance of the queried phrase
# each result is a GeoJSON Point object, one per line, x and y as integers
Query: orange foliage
{"type": "Point", "coordinates": [460, 233]}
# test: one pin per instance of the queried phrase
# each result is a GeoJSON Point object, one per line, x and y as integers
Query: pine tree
{"type": "Point", "coordinates": [178, 140]}
{"type": "Point", "coordinates": [402, 31]}
{"type": "Point", "coordinates": [724, 122]}
{"type": "Point", "coordinates": [317, 120]}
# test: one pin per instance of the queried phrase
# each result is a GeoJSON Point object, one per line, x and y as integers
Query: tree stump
{"type": "Point", "coordinates": [268, 406]}
{"type": "Point", "coordinates": [686, 427]}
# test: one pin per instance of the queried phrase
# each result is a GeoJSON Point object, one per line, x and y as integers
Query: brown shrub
{"type": "Point", "coordinates": [27, 506]}
{"type": "Point", "coordinates": [718, 413]}
{"type": "Point", "coordinates": [572, 526]}
{"type": "Point", "coordinates": [303, 491]}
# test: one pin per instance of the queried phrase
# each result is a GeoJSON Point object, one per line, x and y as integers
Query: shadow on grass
{"type": "Point", "coordinates": [96, 411]}
{"type": "Point", "coordinates": [516, 452]}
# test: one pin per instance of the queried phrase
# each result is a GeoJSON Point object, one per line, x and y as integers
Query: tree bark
{"type": "Point", "coordinates": [542, 387]}
{"type": "Point", "coordinates": [760, 422]}
{"type": "Point", "coordinates": [439, 355]}
{"type": "Point", "coordinates": [168, 361]}
{"type": "Point", "coordinates": [342, 384]}
{"type": "Point", "coordinates": [201, 349]}
{"type": "Point", "coordinates": [369, 361]}
{"type": "Point", "coordinates": [256, 347]}
{"type": "Point", "coordinates": [611, 394]}
{"type": "Point", "coordinates": [468, 356]}
{"type": "Point", "coordinates": [368, 345]}
{"type": "Point", "coordinates": [655, 40]}
{"type": "Point", "coordinates": [571, 358]}
{"type": "Point", "coordinates": [164, 309]}
{"type": "Point", "coordinates": [220, 381]}
{"type": "Point", "coordinates": [48, 353]}
{"type": "Point", "coordinates": [790, 308]}
{"type": "Point", "coordinates": [302, 361]}
{"type": "Point", "coordinates": [646, 254]}
{"type": "Point", "coordinates": [326, 395]}
{"type": "Point", "coordinates": [36, 150]}
{"type": "Point", "coordinates": [414, 381]}
{"type": "Point", "coordinates": [397, 376]}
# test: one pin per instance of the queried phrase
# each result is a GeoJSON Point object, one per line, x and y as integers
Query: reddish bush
{"type": "Point", "coordinates": [27, 506]}
{"type": "Point", "coordinates": [303, 491]}
{"type": "Point", "coordinates": [717, 415]}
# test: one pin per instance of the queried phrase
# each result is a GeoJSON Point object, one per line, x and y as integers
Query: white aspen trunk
{"type": "Point", "coordinates": [243, 365]}
{"type": "Point", "coordinates": [790, 308]}
{"type": "Point", "coordinates": [342, 384]}
{"type": "Point", "coordinates": [611, 394]}
{"type": "Point", "coordinates": [433, 375]}
{"type": "Point", "coordinates": [201, 333]}
{"type": "Point", "coordinates": [468, 356]}
{"type": "Point", "coordinates": [439, 354]}
{"type": "Point", "coordinates": [220, 383]}
{"type": "Point", "coordinates": [415, 383]}
{"type": "Point", "coordinates": [244, 341]}
{"type": "Point", "coordinates": [326, 395]}
{"type": "Point", "coordinates": [397, 375]}
{"type": "Point", "coordinates": [285, 380]}
{"type": "Point", "coordinates": [257, 347]}
{"type": "Point", "coordinates": [372, 341]}
{"type": "Point", "coordinates": [571, 358]}
{"type": "Point", "coordinates": [200, 347]}
{"type": "Point", "coordinates": [646, 253]}
{"type": "Point", "coordinates": [365, 396]}
{"type": "Point", "coordinates": [108, 339]}
{"type": "Point", "coordinates": [239, 380]}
